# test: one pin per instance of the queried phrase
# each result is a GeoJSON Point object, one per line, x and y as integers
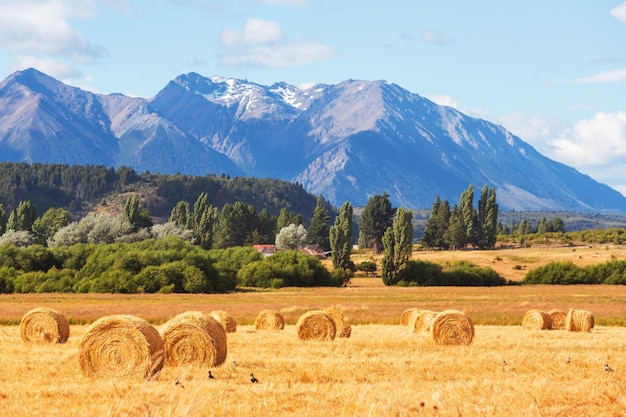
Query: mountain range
{"type": "Point", "coordinates": [347, 141]}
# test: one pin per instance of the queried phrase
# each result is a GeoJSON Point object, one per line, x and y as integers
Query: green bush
{"type": "Point", "coordinates": [561, 273]}
{"type": "Point", "coordinates": [461, 273]}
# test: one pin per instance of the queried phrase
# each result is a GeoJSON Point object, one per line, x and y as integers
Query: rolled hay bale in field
{"type": "Point", "coordinates": [121, 346]}
{"type": "Point", "coordinates": [44, 325]}
{"type": "Point", "coordinates": [269, 320]}
{"type": "Point", "coordinates": [316, 325]}
{"type": "Point", "coordinates": [558, 319]}
{"type": "Point", "coordinates": [579, 321]}
{"type": "Point", "coordinates": [406, 314]}
{"type": "Point", "coordinates": [536, 320]}
{"type": "Point", "coordinates": [342, 325]}
{"type": "Point", "coordinates": [194, 338]}
{"type": "Point", "coordinates": [421, 321]}
{"type": "Point", "coordinates": [452, 327]}
{"type": "Point", "coordinates": [227, 321]}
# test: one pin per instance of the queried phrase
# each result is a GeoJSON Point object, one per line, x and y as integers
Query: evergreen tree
{"type": "Point", "coordinates": [287, 217]}
{"type": "Point", "coordinates": [398, 245]}
{"type": "Point", "coordinates": [455, 235]}
{"type": "Point", "coordinates": [376, 217]}
{"type": "Point", "coordinates": [138, 217]}
{"type": "Point", "coordinates": [319, 227]}
{"type": "Point", "coordinates": [340, 238]}
{"type": "Point", "coordinates": [557, 225]}
{"type": "Point", "coordinates": [267, 226]}
{"type": "Point", "coordinates": [181, 215]}
{"type": "Point", "coordinates": [437, 225]}
{"type": "Point", "coordinates": [235, 225]}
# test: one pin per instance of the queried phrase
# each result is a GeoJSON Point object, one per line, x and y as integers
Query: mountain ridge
{"type": "Point", "coordinates": [346, 142]}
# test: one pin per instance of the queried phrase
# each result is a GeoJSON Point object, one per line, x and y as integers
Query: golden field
{"type": "Point", "coordinates": [383, 369]}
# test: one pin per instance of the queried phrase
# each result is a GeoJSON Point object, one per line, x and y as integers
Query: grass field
{"type": "Point", "coordinates": [381, 370]}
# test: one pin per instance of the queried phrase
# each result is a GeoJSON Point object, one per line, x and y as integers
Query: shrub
{"type": "Point", "coordinates": [563, 273]}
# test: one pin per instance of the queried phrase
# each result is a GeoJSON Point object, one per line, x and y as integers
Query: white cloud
{"type": "Point", "coordinates": [52, 67]}
{"type": "Point", "coordinates": [436, 38]}
{"type": "Point", "coordinates": [610, 76]}
{"type": "Point", "coordinates": [446, 100]}
{"type": "Point", "coordinates": [255, 31]}
{"type": "Point", "coordinates": [619, 12]}
{"type": "Point", "coordinates": [284, 55]}
{"type": "Point", "coordinates": [533, 129]}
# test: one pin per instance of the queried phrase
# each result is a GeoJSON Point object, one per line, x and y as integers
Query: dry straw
{"type": "Point", "coordinates": [579, 321]}
{"type": "Point", "coordinates": [316, 325]}
{"type": "Point", "coordinates": [421, 321]}
{"type": "Point", "coordinates": [406, 314]}
{"type": "Point", "coordinates": [558, 319]}
{"type": "Point", "coordinates": [342, 325]}
{"type": "Point", "coordinates": [536, 320]}
{"type": "Point", "coordinates": [227, 321]}
{"type": "Point", "coordinates": [194, 338]}
{"type": "Point", "coordinates": [269, 320]}
{"type": "Point", "coordinates": [44, 325]}
{"type": "Point", "coordinates": [121, 346]}
{"type": "Point", "coordinates": [452, 327]}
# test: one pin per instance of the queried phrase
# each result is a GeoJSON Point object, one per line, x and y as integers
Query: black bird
{"type": "Point", "coordinates": [178, 383]}
{"type": "Point", "coordinates": [608, 368]}
{"type": "Point", "coordinates": [211, 375]}
{"type": "Point", "coordinates": [253, 379]}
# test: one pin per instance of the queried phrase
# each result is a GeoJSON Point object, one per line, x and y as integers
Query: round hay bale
{"type": "Point", "coordinates": [579, 321]}
{"type": "Point", "coordinates": [342, 325]}
{"type": "Point", "coordinates": [406, 314]}
{"type": "Point", "coordinates": [194, 338]}
{"type": "Point", "coordinates": [269, 320]}
{"type": "Point", "coordinates": [316, 325]}
{"type": "Point", "coordinates": [44, 325]}
{"type": "Point", "coordinates": [452, 327]}
{"type": "Point", "coordinates": [536, 320]}
{"type": "Point", "coordinates": [227, 321]}
{"type": "Point", "coordinates": [558, 319]}
{"type": "Point", "coordinates": [421, 321]}
{"type": "Point", "coordinates": [121, 346]}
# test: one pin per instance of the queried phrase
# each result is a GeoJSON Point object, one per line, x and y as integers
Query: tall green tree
{"type": "Point", "coordinates": [49, 223]}
{"type": "Point", "coordinates": [468, 215]}
{"type": "Point", "coordinates": [340, 238]}
{"type": "Point", "coordinates": [376, 218]}
{"type": "Point", "coordinates": [138, 217]}
{"type": "Point", "coordinates": [287, 217]}
{"type": "Point", "coordinates": [437, 225]}
{"type": "Point", "coordinates": [398, 245]}
{"type": "Point", "coordinates": [455, 235]}
{"type": "Point", "coordinates": [320, 225]}
{"type": "Point", "coordinates": [3, 220]}
{"type": "Point", "coordinates": [487, 219]}
{"type": "Point", "coordinates": [181, 215]}
{"type": "Point", "coordinates": [236, 225]}
{"type": "Point", "coordinates": [22, 217]}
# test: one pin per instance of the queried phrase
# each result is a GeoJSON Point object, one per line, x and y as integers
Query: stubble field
{"type": "Point", "coordinates": [383, 369]}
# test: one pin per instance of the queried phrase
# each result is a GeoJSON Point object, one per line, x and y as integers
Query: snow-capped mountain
{"type": "Point", "coordinates": [347, 141]}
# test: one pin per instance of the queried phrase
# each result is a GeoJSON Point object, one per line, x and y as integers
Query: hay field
{"type": "Point", "coordinates": [381, 370]}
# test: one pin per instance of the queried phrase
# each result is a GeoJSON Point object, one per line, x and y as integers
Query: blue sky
{"type": "Point", "coordinates": [552, 72]}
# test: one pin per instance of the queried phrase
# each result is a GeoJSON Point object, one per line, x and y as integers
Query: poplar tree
{"type": "Point", "coordinates": [340, 238]}
{"type": "Point", "coordinates": [181, 215]}
{"type": "Point", "coordinates": [398, 245]}
{"type": "Point", "coordinates": [22, 217]}
{"type": "Point", "coordinates": [138, 217]}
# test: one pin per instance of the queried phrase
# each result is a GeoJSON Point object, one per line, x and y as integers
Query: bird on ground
{"type": "Point", "coordinates": [178, 383]}
{"type": "Point", "coordinates": [568, 360]}
{"type": "Point", "coordinates": [211, 375]}
{"type": "Point", "coordinates": [504, 365]}
{"type": "Point", "coordinates": [234, 364]}
{"type": "Point", "coordinates": [608, 368]}
{"type": "Point", "coordinates": [253, 379]}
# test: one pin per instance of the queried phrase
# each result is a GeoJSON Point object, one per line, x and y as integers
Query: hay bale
{"type": "Point", "coordinates": [421, 320]}
{"type": "Point", "coordinates": [342, 325]}
{"type": "Point", "coordinates": [121, 346]}
{"type": "Point", "coordinates": [452, 327]}
{"type": "Point", "coordinates": [536, 320]}
{"type": "Point", "coordinates": [316, 325]}
{"type": "Point", "coordinates": [227, 321]}
{"type": "Point", "coordinates": [44, 325]}
{"type": "Point", "coordinates": [406, 314]}
{"type": "Point", "coordinates": [558, 319]}
{"type": "Point", "coordinates": [269, 320]}
{"type": "Point", "coordinates": [579, 321]}
{"type": "Point", "coordinates": [194, 338]}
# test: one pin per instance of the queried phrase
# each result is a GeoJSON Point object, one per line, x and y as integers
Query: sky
{"type": "Point", "coordinates": [551, 72]}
